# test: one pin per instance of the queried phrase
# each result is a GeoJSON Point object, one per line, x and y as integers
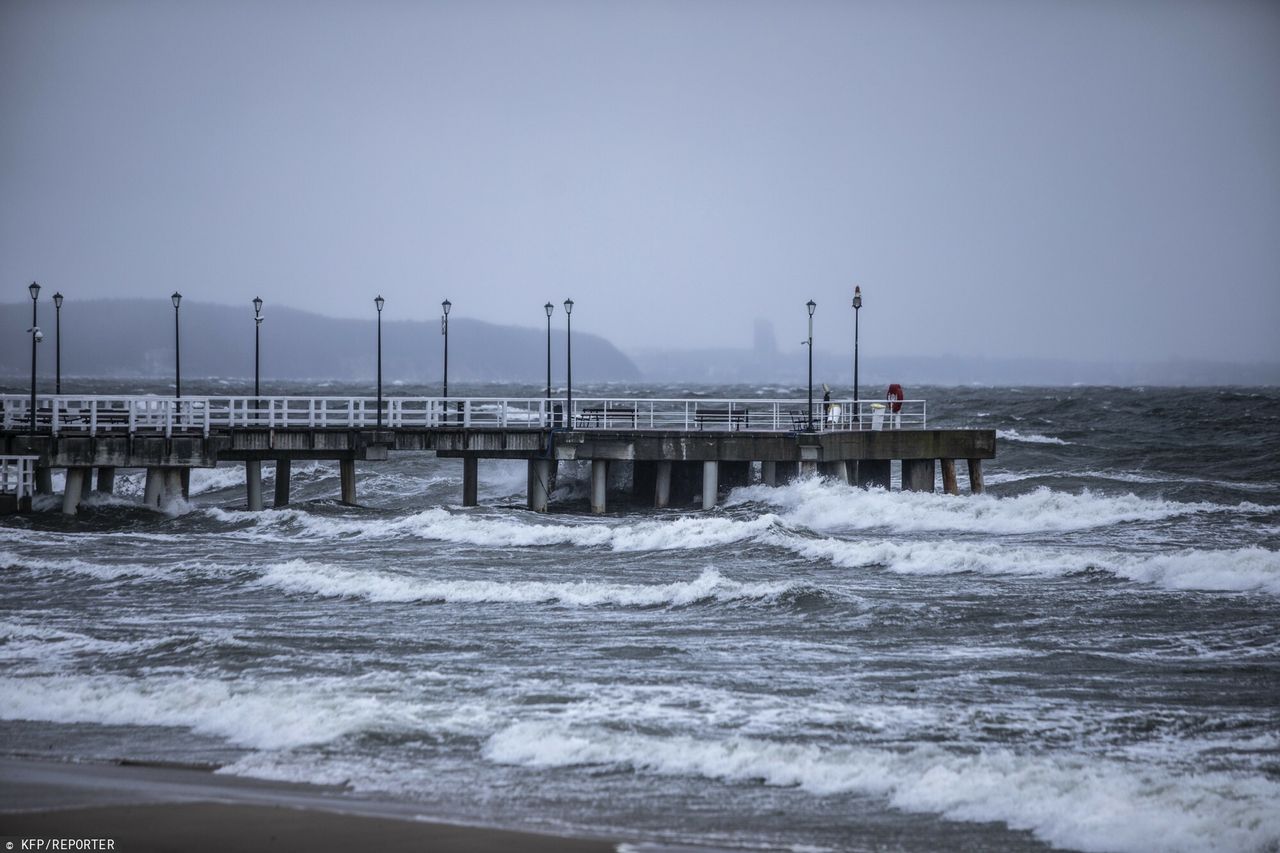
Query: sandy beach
{"type": "Point", "coordinates": [146, 808]}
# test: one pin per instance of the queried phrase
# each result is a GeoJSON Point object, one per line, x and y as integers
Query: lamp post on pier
{"type": "Point", "coordinates": [444, 330]}
{"type": "Point", "coordinates": [378, 301]}
{"type": "Point", "coordinates": [568, 319]}
{"type": "Point", "coordinates": [811, 305]}
{"type": "Point", "coordinates": [257, 345]}
{"type": "Point", "coordinates": [36, 337]}
{"type": "Point", "coordinates": [177, 347]}
{"type": "Point", "coordinates": [549, 308]}
{"type": "Point", "coordinates": [57, 343]}
{"type": "Point", "coordinates": [857, 306]}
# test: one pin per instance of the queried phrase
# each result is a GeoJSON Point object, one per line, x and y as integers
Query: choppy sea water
{"type": "Point", "coordinates": [1087, 657]}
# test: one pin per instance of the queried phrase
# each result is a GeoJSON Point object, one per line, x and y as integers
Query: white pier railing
{"type": "Point", "coordinates": [18, 475]}
{"type": "Point", "coordinates": [95, 415]}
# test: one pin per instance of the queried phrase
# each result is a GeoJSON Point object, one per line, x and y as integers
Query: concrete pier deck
{"type": "Point", "coordinates": [676, 448]}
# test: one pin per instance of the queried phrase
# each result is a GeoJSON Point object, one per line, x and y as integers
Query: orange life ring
{"type": "Point", "coordinates": [895, 396]}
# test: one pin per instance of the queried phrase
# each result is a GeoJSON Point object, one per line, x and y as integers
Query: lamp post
{"type": "Point", "coordinates": [857, 306]}
{"type": "Point", "coordinates": [568, 319]}
{"type": "Point", "coordinates": [444, 330]}
{"type": "Point", "coordinates": [57, 343]}
{"type": "Point", "coordinates": [177, 347]}
{"type": "Point", "coordinates": [34, 290]}
{"type": "Point", "coordinates": [257, 346]}
{"type": "Point", "coordinates": [379, 302]}
{"type": "Point", "coordinates": [811, 305]}
{"type": "Point", "coordinates": [549, 308]}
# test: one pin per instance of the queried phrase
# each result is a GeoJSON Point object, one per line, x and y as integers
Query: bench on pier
{"type": "Point", "coordinates": [722, 417]}
{"type": "Point", "coordinates": [605, 416]}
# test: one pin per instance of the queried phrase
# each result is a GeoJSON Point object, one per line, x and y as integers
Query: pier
{"type": "Point", "coordinates": [678, 449]}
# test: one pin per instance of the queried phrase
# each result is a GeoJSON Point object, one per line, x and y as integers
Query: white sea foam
{"type": "Point", "coordinates": [825, 505]}
{"type": "Point", "coordinates": [266, 715]}
{"type": "Point", "coordinates": [1029, 438]}
{"type": "Point", "coordinates": [105, 571]}
{"type": "Point", "coordinates": [1076, 801]}
{"type": "Point", "coordinates": [329, 580]}
{"type": "Point", "coordinates": [1231, 570]}
{"type": "Point", "coordinates": [491, 531]}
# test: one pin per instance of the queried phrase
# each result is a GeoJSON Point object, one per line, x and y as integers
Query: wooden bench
{"type": "Point", "coordinates": [727, 417]}
{"type": "Point", "coordinates": [603, 416]}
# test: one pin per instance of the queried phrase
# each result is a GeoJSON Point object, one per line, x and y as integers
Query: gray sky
{"type": "Point", "coordinates": [1088, 179]}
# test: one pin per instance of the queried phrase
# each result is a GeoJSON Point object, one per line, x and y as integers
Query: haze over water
{"type": "Point", "coordinates": [1087, 657]}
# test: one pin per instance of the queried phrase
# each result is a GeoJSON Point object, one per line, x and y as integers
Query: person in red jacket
{"type": "Point", "coordinates": [895, 396]}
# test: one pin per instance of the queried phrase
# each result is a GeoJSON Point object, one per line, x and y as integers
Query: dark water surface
{"type": "Point", "coordinates": [1087, 657]}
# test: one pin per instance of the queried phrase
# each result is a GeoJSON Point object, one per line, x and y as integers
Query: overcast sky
{"type": "Point", "coordinates": [1058, 179]}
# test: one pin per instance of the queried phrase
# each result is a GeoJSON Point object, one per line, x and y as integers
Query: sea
{"type": "Point", "coordinates": [1085, 657]}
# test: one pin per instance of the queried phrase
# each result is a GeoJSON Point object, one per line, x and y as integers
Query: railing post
{"type": "Point", "coordinates": [53, 415]}
{"type": "Point", "coordinates": [466, 413]}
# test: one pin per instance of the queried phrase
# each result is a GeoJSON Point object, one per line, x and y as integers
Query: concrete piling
{"type": "Point", "coordinates": [808, 469]}
{"type": "Point", "coordinates": [185, 474]}
{"type": "Point", "coordinates": [662, 486]}
{"type": "Point", "coordinates": [599, 484]}
{"type": "Point", "coordinates": [253, 484]}
{"type": "Point", "coordinates": [710, 484]}
{"type": "Point", "coordinates": [172, 485]}
{"type": "Point", "coordinates": [106, 479]}
{"type": "Point", "coordinates": [918, 475]}
{"type": "Point", "coordinates": [976, 486]}
{"type": "Point", "coordinates": [769, 473]}
{"type": "Point", "coordinates": [44, 480]}
{"type": "Point", "coordinates": [347, 476]}
{"type": "Point", "coordinates": [284, 468]}
{"type": "Point", "coordinates": [151, 492]}
{"type": "Point", "coordinates": [539, 484]}
{"type": "Point", "coordinates": [949, 477]}
{"type": "Point", "coordinates": [74, 489]}
{"type": "Point", "coordinates": [470, 480]}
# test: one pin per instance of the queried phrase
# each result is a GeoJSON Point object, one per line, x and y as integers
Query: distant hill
{"type": "Point", "coordinates": [125, 338]}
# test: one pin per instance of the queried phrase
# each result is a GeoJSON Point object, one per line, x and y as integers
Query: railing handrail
{"type": "Point", "coordinates": [96, 413]}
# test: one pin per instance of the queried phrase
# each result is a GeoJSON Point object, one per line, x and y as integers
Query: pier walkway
{"type": "Point", "coordinates": [678, 448]}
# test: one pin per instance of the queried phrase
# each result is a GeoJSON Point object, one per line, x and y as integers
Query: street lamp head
{"type": "Point", "coordinates": [857, 297]}
{"type": "Point", "coordinates": [568, 306]}
{"type": "Point", "coordinates": [811, 305]}
{"type": "Point", "coordinates": [57, 300]}
{"type": "Point", "coordinates": [257, 305]}
{"type": "Point", "coordinates": [34, 290]}
{"type": "Point", "coordinates": [549, 308]}
{"type": "Point", "coordinates": [379, 301]}
{"type": "Point", "coordinates": [446, 305]}
{"type": "Point", "coordinates": [177, 297]}
{"type": "Point", "coordinates": [39, 335]}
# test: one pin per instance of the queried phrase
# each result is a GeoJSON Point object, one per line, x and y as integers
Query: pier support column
{"type": "Point", "coordinates": [253, 484]}
{"type": "Point", "coordinates": [539, 484]}
{"type": "Point", "coordinates": [662, 486]}
{"type": "Point", "coordinates": [874, 472]}
{"type": "Point", "coordinates": [599, 482]}
{"type": "Point", "coordinates": [75, 487]}
{"type": "Point", "coordinates": [975, 477]}
{"type": "Point", "coordinates": [44, 480]}
{"type": "Point", "coordinates": [172, 485]}
{"type": "Point", "coordinates": [106, 479]}
{"type": "Point", "coordinates": [347, 475]}
{"type": "Point", "coordinates": [185, 474]}
{"type": "Point", "coordinates": [151, 493]}
{"type": "Point", "coordinates": [949, 477]}
{"type": "Point", "coordinates": [470, 480]}
{"type": "Point", "coordinates": [284, 468]}
{"type": "Point", "coordinates": [769, 473]}
{"type": "Point", "coordinates": [808, 469]}
{"type": "Point", "coordinates": [918, 475]}
{"type": "Point", "coordinates": [835, 470]}
{"type": "Point", "coordinates": [710, 483]}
